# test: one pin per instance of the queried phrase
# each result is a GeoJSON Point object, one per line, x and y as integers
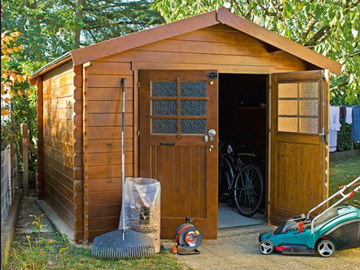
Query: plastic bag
{"type": "Point", "coordinates": [142, 207]}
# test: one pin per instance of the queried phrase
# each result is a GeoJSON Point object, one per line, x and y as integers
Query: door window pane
{"type": "Point", "coordinates": [193, 89]}
{"type": "Point", "coordinates": [298, 107]}
{"type": "Point", "coordinates": [186, 107]}
{"type": "Point", "coordinates": [309, 89]}
{"type": "Point", "coordinates": [193, 126]}
{"type": "Point", "coordinates": [287, 124]}
{"type": "Point", "coordinates": [164, 107]}
{"type": "Point", "coordinates": [308, 125]}
{"type": "Point", "coordinates": [193, 107]}
{"type": "Point", "coordinates": [288, 107]}
{"type": "Point", "coordinates": [164, 126]}
{"type": "Point", "coordinates": [308, 108]}
{"type": "Point", "coordinates": [288, 90]}
{"type": "Point", "coordinates": [164, 89]}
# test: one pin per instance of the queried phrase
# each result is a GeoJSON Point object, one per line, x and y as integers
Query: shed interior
{"type": "Point", "coordinates": [242, 121]}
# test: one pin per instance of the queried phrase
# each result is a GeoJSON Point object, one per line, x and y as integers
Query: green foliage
{"type": "Point", "coordinates": [56, 253]}
{"type": "Point", "coordinates": [113, 18]}
{"type": "Point", "coordinates": [329, 27]}
{"type": "Point", "coordinates": [32, 252]}
{"type": "Point", "coordinates": [47, 27]}
{"type": "Point", "coordinates": [50, 28]}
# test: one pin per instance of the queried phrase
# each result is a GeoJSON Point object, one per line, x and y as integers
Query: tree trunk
{"type": "Point", "coordinates": [78, 31]}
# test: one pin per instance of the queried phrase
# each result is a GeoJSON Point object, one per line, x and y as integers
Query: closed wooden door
{"type": "Point", "coordinates": [299, 163]}
{"type": "Point", "coordinates": [177, 110]}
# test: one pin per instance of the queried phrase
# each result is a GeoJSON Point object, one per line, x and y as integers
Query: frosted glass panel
{"type": "Point", "coordinates": [193, 89]}
{"type": "Point", "coordinates": [308, 107]}
{"type": "Point", "coordinates": [193, 126]}
{"type": "Point", "coordinates": [288, 124]}
{"type": "Point", "coordinates": [193, 107]}
{"type": "Point", "coordinates": [164, 107]}
{"type": "Point", "coordinates": [298, 107]}
{"type": "Point", "coordinates": [164, 89]}
{"type": "Point", "coordinates": [288, 90]}
{"type": "Point", "coordinates": [288, 107]}
{"type": "Point", "coordinates": [164, 126]}
{"type": "Point", "coordinates": [172, 108]}
{"type": "Point", "coordinates": [309, 90]}
{"type": "Point", "coordinates": [308, 125]}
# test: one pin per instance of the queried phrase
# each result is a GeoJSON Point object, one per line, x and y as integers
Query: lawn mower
{"type": "Point", "coordinates": [336, 228]}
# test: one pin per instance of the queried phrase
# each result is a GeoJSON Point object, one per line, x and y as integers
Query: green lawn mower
{"type": "Point", "coordinates": [336, 228]}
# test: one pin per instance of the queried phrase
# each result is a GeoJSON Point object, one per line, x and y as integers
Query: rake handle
{"type": "Point", "coordinates": [123, 157]}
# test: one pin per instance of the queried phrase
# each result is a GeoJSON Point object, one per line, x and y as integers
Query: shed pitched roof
{"type": "Point", "coordinates": [220, 16]}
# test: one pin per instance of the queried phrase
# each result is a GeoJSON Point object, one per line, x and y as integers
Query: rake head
{"type": "Point", "coordinates": [123, 245]}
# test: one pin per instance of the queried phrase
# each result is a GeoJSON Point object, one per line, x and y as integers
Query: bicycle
{"type": "Point", "coordinates": [242, 181]}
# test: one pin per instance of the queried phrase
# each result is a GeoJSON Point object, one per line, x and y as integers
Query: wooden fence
{"type": "Point", "coordinates": [25, 145]}
{"type": "Point", "coordinates": [7, 187]}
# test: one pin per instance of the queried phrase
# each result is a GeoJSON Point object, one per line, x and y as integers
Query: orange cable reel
{"type": "Point", "coordinates": [188, 237]}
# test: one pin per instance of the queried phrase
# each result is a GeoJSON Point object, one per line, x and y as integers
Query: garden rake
{"type": "Point", "coordinates": [123, 243]}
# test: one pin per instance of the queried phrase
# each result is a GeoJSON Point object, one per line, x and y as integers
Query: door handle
{"type": "Point", "coordinates": [212, 134]}
{"type": "Point", "coordinates": [168, 144]}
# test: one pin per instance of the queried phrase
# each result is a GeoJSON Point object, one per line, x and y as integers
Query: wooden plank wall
{"type": "Point", "coordinates": [104, 150]}
{"type": "Point", "coordinates": [62, 146]}
{"type": "Point", "coordinates": [218, 47]}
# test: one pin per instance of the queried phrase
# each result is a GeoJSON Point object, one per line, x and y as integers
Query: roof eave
{"type": "Point", "coordinates": [222, 15]}
{"type": "Point", "coordinates": [144, 37]}
{"type": "Point", "coordinates": [53, 64]}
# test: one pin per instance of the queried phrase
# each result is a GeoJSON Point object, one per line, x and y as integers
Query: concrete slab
{"type": "Point", "coordinates": [56, 221]}
{"type": "Point", "coordinates": [241, 252]}
{"type": "Point", "coordinates": [229, 217]}
{"type": "Point", "coordinates": [28, 211]}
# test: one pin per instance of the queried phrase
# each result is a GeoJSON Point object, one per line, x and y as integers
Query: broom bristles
{"type": "Point", "coordinates": [112, 246]}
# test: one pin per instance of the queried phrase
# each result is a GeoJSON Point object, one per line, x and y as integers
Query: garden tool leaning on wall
{"type": "Point", "coordinates": [123, 243]}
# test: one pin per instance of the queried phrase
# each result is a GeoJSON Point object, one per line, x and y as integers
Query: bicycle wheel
{"type": "Point", "coordinates": [226, 174]}
{"type": "Point", "coordinates": [249, 190]}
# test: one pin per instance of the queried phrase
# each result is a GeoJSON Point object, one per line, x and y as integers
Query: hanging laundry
{"type": "Point", "coordinates": [334, 127]}
{"type": "Point", "coordinates": [335, 118]}
{"type": "Point", "coordinates": [348, 117]}
{"type": "Point", "coordinates": [332, 140]}
{"type": "Point", "coordinates": [342, 112]}
{"type": "Point", "coordinates": [355, 129]}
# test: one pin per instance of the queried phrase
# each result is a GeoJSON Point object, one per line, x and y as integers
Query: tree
{"type": "Point", "coordinates": [329, 27]}
{"type": "Point", "coordinates": [52, 27]}
{"type": "Point", "coordinates": [12, 78]}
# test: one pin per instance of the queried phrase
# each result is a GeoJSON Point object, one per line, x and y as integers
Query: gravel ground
{"type": "Point", "coordinates": [241, 252]}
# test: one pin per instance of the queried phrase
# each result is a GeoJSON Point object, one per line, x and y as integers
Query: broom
{"type": "Point", "coordinates": [123, 243]}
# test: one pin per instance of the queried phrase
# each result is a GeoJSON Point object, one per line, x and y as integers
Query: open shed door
{"type": "Point", "coordinates": [299, 160]}
{"type": "Point", "coordinates": [177, 110]}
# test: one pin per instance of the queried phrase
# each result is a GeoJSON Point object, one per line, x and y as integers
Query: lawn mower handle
{"type": "Point", "coordinates": [344, 197]}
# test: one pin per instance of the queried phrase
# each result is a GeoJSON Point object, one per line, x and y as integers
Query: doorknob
{"type": "Point", "coordinates": [211, 133]}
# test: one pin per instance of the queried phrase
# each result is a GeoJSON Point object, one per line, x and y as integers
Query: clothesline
{"type": "Point", "coordinates": [351, 114]}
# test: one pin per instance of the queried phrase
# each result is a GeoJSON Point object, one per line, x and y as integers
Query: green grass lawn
{"type": "Point", "coordinates": [51, 251]}
{"type": "Point", "coordinates": [342, 172]}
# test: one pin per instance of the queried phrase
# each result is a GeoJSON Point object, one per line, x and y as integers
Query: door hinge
{"type": "Point", "coordinates": [325, 138]}
{"type": "Point", "coordinates": [138, 132]}
{"type": "Point", "coordinates": [138, 84]}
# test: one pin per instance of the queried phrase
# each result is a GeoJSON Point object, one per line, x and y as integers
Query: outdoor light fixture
{"type": "Point", "coordinates": [212, 77]}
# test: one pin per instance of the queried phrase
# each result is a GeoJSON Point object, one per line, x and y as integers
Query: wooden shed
{"type": "Point", "coordinates": [212, 71]}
